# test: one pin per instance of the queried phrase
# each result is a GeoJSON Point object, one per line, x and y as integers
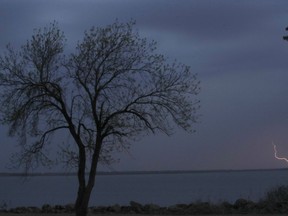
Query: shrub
{"type": "Point", "coordinates": [277, 195]}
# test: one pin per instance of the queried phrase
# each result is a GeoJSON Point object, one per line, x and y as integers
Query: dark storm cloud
{"type": "Point", "coordinates": [236, 48]}
{"type": "Point", "coordinates": [208, 21]}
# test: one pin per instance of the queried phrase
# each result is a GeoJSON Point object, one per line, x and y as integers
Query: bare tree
{"type": "Point", "coordinates": [286, 36]}
{"type": "Point", "coordinates": [112, 88]}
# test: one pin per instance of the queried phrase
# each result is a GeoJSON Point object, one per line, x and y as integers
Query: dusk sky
{"type": "Point", "coordinates": [235, 47]}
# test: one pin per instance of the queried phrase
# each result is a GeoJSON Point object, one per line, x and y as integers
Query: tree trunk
{"type": "Point", "coordinates": [84, 191]}
{"type": "Point", "coordinates": [81, 205]}
{"type": "Point", "coordinates": [83, 197]}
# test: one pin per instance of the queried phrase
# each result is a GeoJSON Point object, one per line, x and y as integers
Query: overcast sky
{"type": "Point", "coordinates": [235, 47]}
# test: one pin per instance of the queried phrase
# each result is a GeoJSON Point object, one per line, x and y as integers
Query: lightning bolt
{"type": "Point", "coordinates": [275, 154]}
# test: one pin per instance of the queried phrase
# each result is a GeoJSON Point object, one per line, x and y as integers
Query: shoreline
{"type": "Point", "coordinates": [8, 174]}
{"type": "Point", "coordinates": [240, 207]}
{"type": "Point", "coordinates": [90, 214]}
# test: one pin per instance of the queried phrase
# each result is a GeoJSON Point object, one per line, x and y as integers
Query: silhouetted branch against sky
{"type": "Point", "coordinates": [235, 47]}
{"type": "Point", "coordinates": [113, 87]}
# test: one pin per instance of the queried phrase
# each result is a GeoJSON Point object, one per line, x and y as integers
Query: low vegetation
{"type": "Point", "coordinates": [275, 202]}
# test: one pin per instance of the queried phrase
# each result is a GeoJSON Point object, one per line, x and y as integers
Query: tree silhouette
{"type": "Point", "coordinates": [286, 36]}
{"type": "Point", "coordinates": [112, 88]}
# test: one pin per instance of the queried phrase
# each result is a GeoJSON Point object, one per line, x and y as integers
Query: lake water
{"type": "Point", "coordinates": [162, 189]}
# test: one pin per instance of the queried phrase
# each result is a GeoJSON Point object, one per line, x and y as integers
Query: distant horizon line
{"type": "Point", "coordinates": [135, 172]}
